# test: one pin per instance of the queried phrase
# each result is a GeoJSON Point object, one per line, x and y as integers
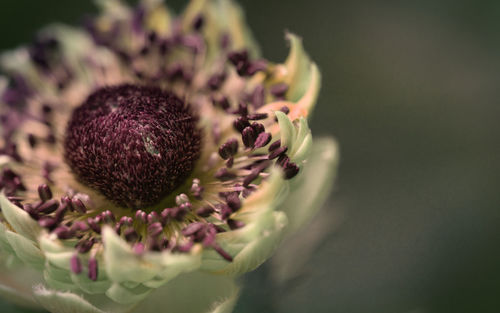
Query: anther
{"type": "Point", "coordinates": [78, 205]}
{"type": "Point", "coordinates": [240, 123]}
{"type": "Point", "coordinates": [277, 152]}
{"type": "Point", "coordinates": [93, 269]}
{"type": "Point", "coordinates": [262, 140]}
{"type": "Point", "coordinates": [248, 136]}
{"type": "Point", "coordinates": [228, 149]}
{"type": "Point", "coordinates": [205, 211]}
{"type": "Point", "coordinates": [279, 90]}
{"type": "Point", "coordinates": [48, 206]}
{"type": "Point", "coordinates": [275, 145]}
{"type": "Point", "coordinates": [257, 116]}
{"type": "Point", "coordinates": [75, 264]}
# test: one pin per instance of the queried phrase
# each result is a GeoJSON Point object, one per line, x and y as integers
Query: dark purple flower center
{"type": "Point", "coordinates": [133, 144]}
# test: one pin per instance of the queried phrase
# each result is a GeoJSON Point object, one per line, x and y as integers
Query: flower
{"type": "Point", "coordinates": [150, 160]}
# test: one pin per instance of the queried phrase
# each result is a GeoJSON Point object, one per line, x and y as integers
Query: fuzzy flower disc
{"type": "Point", "coordinates": [133, 144]}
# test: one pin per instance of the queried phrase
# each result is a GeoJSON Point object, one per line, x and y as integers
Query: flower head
{"type": "Point", "coordinates": [146, 153]}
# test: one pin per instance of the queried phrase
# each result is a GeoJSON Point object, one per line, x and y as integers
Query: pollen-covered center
{"type": "Point", "coordinates": [133, 144]}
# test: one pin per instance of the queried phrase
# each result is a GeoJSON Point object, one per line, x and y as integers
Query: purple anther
{"type": "Point", "coordinates": [78, 206]}
{"type": "Point", "coordinates": [257, 116]}
{"type": "Point", "coordinates": [262, 140]}
{"type": "Point", "coordinates": [291, 170]}
{"type": "Point", "coordinates": [222, 253]}
{"type": "Point", "coordinates": [93, 269]}
{"type": "Point", "coordinates": [138, 248]}
{"type": "Point", "coordinates": [258, 96]}
{"type": "Point", "coordinates": [63, 232]}
{"type": "Point", "coordinates": [130, 234]}
{"type": "Point", "coordinates": [84, 246]}
{"type": "Point", "coordinates": [108, 217]}
{"type": "Point", "coordinates": [233, 201]}
{"type": "Point", "coordinates": [224, 211]}
{"type": "Point", "coordinates": [192, 228]}
{"type": "Point", "coordinates": [279, 90]}
{"type": "Point", "coordinates": [48, 206]}
{"type": "Point", "coordinates": [155, 229]}
{"type": "Point", "coordinates": [248, 136]}
{"type": "Point", "coordinates": [228, 149]}
{"type": "Point", "coordinates": [277, 152]}
{"type": "Point", "coordinates": [94, 224]}
{"type": "Point", "coordinates": [240, 123]}
{"type": "Point", "coordinates": [153, 217]}
{"type": "Point", "coordinates": [141, 216]}
{"type": "Point", "coordinates": [258, 127]}
{"type": "Point", "coordinates": [275, 145]}
{"type": "Point", "coordinates": [75, 264]}
{"type": "Point", "coordinates": [285, 109]}
{"type": "Point", "coordinates": [224, 174]}
{"type": "Point", "coordinates": [47, 222]}
{"type": "Point", "coordinates": [234, 224]}
{"type": "Point", "coordinates": [79, 226]}
{"type": "Point", "coordinates": [205, 211]}
{"type": "Point", "coordinates": [256, 66]}
{"type": "Point", "coordinates": [31, 211]}
{"type": "Point", "coordinates": [215, 81]}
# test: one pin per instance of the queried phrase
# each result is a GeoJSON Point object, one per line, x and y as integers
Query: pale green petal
{"type": "Point", "coordinates": [90, 286]}
{"type": "Point", "coordinates": [123, 295]}
{"type": "Point", "coordinates": [287, 130]}
{"type": "Point", "coordinates": [194, 292]}
{"type": "Point", "coordinates": [303, 142]}
{"type": "Point", "coordinates": [16, 285]}
{"type": "Point", "coordinates": [58, 279]}
{"type": "Point", "coordinates": [63, 302]}
{"type": "Point", "coordinates": [26, 250]}
{"type": "Point", "coordinates": [14, 296]}
{"type": "Point", "coordinates": [226, 305]}
{"type": "Point", "coordinates": [299, 67]}
{"type": "Point", "coordinates": [313, 184]}
{"type": "Point", "coordinates": [19, 220]}
{"type": "Point", "coordinates": [121, 263]}
{"type": "Point", "coordinates": [173, 264]}
{"type": "Point", "coordinates": [258, 251]}
{"type": "Point", "coordinates": [56, 253]}
{"type": "Point", "coordinates": [4, 243]}
{"type": "Point", "coordinates": [151, 267]}
{"type": "Point", "coordinates": [251, 245]}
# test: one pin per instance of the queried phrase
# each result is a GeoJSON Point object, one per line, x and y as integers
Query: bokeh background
{"type": "Point", "coordinates": [411, 92]}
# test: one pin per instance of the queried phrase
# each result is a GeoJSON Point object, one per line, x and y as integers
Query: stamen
{"type": "Point", "coordinates": [76, 265]}
{"type": "Point", "coordinates": [279, 90]}
{"type": "Point", "coordinates": [228, 149]}
{"type": "Point", "coordinates": [93, 269]}
{"type": "Point", "coordinates": [277, 152]}
{"type": "Point", "coordinates": [262, 140]}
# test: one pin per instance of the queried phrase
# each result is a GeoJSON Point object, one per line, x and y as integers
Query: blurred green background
{"type": "Point", "coordinates": [411, 92]}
